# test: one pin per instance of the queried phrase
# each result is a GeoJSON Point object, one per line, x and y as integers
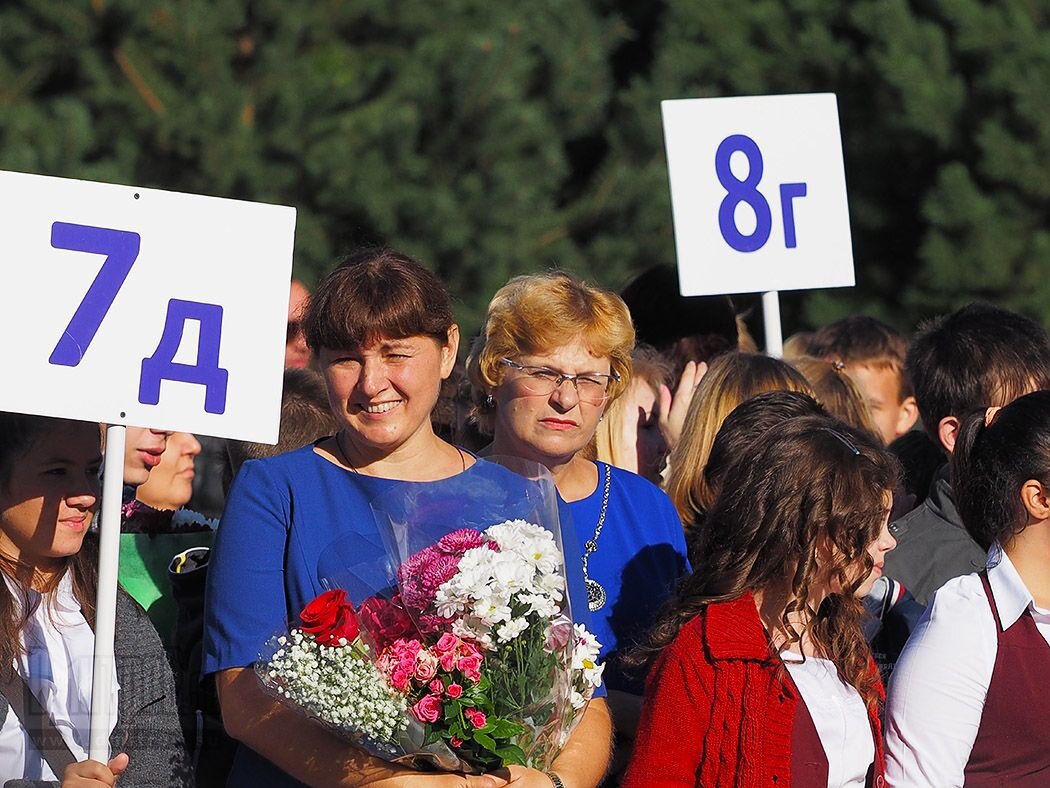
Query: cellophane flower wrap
{"type": "Point", "coordinates": [448, 643]}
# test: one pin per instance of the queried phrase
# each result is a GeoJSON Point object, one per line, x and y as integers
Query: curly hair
{"type": "Point", "coordinates": [797, 513]}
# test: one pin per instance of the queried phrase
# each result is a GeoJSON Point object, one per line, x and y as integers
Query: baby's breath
{"type": "Point", "coordinates": [338, 686]}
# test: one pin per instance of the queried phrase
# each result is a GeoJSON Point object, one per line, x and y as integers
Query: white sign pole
{"type": "Point", "coordinates": [102, 713]}
{"type": "Point", "coordinates": [771, 321]}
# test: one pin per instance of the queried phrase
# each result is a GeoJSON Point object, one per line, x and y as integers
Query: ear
{"type": "Point", "coordinates": [948, 431]}
{"type": "Point", "coordinates": [907, 415]}
{"type": "Point", "coordinates": [1036, 500]}
{"type": "Point", "coordinates": [449, 351]}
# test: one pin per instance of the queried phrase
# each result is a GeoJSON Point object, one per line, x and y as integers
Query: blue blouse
{"type": "Point", "coordinates": [296, 519]}
{"type": "Point", "coordinates": [640, 557]}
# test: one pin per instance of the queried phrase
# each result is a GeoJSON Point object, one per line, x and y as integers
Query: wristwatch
{"type": "Point", "coordinates": [555, 780]}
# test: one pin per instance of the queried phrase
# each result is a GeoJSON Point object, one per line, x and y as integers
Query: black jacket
{"type": "Point", "coordinates": [932, 544]}
{"type": "Point", "coordinates": [147, 726]}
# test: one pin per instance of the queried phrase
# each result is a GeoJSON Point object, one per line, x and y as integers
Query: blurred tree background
{"type": "Point", "coordinates": [492, 139]}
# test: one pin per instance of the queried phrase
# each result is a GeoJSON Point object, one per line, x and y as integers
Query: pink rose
{"type": "Point", "coordinates": [470, 667]}
{"type": "Point", "coordinates": [558, 635]}
{"type": "Point", "coordinates": [426, 667]}
{"type": "Point", "coordinates": [437, 687]}
{"type": "Point", "coordinates": [447, 642]}
{"type": "Point", "coordinates": [467, 649]}
{"type": "Point", "coordinates": [476, 717]}
{"type": "Point", "coordinates": [399, 679]}
{"type": "Point", "coordinates": [428, 709]}
{"type": "Point", "coordinates": [455, 741]}
{"type": "Point", "coordinates": [447, 661]}
{"type": "Point", "coordinates": [454, 690]}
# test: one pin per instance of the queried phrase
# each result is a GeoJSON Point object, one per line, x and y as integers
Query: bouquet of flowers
{"type": "Point", "coordinates": [467, 661]}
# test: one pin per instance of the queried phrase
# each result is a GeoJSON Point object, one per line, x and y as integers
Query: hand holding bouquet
{"type": "Point", "coordinates": [471, 664]}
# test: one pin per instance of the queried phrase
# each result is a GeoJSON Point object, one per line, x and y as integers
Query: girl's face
{"type": "Point", "coordinates": [552, 426]}
{"type": "Point", "coordinates": [383, 393]}
{"type": "Point", "coordinates": [50, 497]}
{"type": "Point", "coordinates": [877, 550]}
{"type": "Point", "coordinates": [170, 484]}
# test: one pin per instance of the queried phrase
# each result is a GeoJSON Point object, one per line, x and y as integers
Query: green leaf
{"type": "Point", "coordinates": [485, 741]}
{"type": "Point", "coordinates": [511, 753]}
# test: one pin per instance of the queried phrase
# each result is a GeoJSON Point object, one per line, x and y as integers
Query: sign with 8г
{"type": "Point", "coordinates": [758, 190]}
{"type": "Point", "coordinates": [143, 307]}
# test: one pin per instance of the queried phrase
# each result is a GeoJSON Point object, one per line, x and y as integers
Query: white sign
{"type": "Point", "coordinates": [143, 307]}
{"type": "Point", "coordinates": [758, 190]}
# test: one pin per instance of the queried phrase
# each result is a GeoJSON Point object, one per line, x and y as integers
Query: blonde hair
{"type": "Point", "coordinates": [537, 313]}
{"type": "Point", "coordinates": [731, 379]}
{"type": "Point", "coordinates": [838, 392]}
{"type": "Point", "coordinates": [648, 368]}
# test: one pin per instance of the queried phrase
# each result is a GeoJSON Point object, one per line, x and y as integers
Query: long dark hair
{"type": "Point", "coordinates": [990, 463]}
{"type": "Point", "coordinates": [812, 484]}
{"type": "Point", "coordinates": [18, 433]}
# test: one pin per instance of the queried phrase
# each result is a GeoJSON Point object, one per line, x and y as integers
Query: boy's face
{"type": "Point", "coordinates": [881, 385]}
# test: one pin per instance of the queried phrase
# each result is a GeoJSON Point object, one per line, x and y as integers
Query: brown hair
{"type": "Point", "coordinates": [731, 379]}
{"type": "Point", "coordinates": [976, 357]}
{"type": "Point", "coordinates": [812, 483]}
{"type": "Point", "coordinates": [18, 434]}
{"type": "Point", "coordinates": [865, 341]}
{"type": "Point", "coordinates": [373, 293]}
{"type": "Point", "coordinates": [837, 392]}
{"type": "Point", "coordinates": [305, 417]}
{"type": "Point", "coordinates": [541, 312]}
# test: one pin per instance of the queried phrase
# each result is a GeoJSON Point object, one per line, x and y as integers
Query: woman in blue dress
{"type": "Point", "coordinates": [554, 352]}
{"type": "Point", "coordinates": [382, 330]}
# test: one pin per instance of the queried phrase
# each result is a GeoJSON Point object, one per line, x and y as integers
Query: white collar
{"type": "Point", "coordinates": [1012, 597]}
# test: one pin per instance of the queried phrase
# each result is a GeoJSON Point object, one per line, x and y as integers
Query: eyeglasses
{"type": "Point", "coordinates": [591, 387]}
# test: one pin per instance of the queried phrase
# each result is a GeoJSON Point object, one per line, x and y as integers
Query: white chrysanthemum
{"type": "Point", "coordinates": [511, 629]}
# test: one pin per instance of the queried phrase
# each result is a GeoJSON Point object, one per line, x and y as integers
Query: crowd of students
{"type": "Point", "coordinates": [761, 545]}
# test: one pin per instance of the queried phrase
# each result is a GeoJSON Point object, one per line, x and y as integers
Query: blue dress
{"type": "Point", "coordinates": [293, 519]}
{"type": "Point", "coordinates": [641, 556]}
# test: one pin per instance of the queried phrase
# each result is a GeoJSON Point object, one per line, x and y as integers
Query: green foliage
{"type": "Point", "coordinates": [492, 139]}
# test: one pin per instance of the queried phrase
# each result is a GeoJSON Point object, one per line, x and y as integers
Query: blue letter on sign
{"type": "Point", "coordinates": [121, 249]}
{"type": "Point", "coordinates": [206, 372]}
{"type": "Point", "coordinates": [738, 191]}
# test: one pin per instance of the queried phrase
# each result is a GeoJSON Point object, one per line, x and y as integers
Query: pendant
{"type": "Point", "coordinates": [595, 595]}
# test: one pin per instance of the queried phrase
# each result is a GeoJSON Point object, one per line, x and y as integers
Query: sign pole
{"type": "Point", "coordinates": [771, 321]}
{"type": "Point", "coordinates": [102, 715]}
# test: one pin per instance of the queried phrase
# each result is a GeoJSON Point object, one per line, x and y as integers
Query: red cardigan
{"type": "Point", "coordinates": [717, 711]}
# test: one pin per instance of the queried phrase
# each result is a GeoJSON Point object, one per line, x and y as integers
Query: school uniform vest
{"type": "Point", "coordinates": [809, 762]}
{"type": "Point", "coordinates": [1013, 743]}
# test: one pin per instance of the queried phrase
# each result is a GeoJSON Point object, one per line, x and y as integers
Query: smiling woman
{"type": "Point", "coordinates": [382, 329]}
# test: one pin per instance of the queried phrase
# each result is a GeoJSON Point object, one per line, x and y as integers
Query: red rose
{"type": "Point", "coordinates": [330, 617]}
{"type": "Point", "coordinates": [385, 621]}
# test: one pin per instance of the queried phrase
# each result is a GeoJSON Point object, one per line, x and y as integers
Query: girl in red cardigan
{"type": "Point", "coordinates": [762, 676]}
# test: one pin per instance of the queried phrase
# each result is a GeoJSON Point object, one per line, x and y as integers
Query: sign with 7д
{"type": "Point", "coordinates": [758, 190]}
{"type": "Point", "coordinates": [143, 307]}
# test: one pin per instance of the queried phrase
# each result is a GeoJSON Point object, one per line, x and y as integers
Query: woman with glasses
{"type": "Point", "coordinates": [382, 330]}
{"type": "Point", "coordinates": [554, 351]}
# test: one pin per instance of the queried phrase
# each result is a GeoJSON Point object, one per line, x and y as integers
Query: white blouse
{"type": "Point", "coordinates": [937, 691]}
{"type": "Point", "coordinates": [57, 667]}
{"type": "Point", "coordinates": [839, 715]}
